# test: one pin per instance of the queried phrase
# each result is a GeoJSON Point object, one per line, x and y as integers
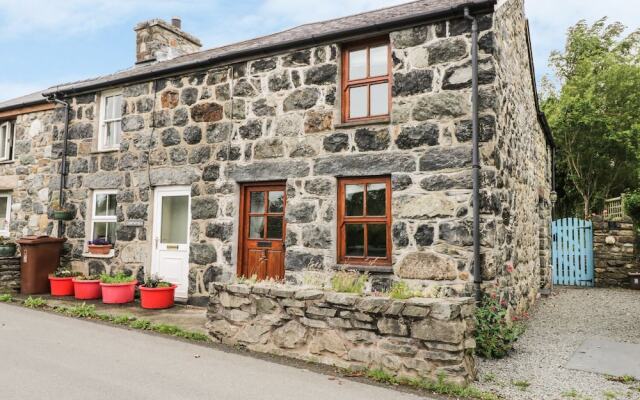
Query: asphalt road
{"type": "Point", "coordinates": [46, 356]}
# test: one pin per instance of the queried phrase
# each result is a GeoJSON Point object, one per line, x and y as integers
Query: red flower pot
{"type": "Point", "coordinates": [118, 293]}
{"type": "Point", "coordinates": [87, 289]}
{"type": "Point", "coordinates": [157, 298]}
{"type": "Point", "coordinates": [61, 286]}
{"type": "Point", "coordinates": [99, 248]}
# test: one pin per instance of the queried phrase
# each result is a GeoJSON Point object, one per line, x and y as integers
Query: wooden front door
{"type": "Point", "coordinates": [263, 231]}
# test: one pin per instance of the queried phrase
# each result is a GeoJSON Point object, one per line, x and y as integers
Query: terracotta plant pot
{"type": "Point", "coordinates": [87, 289]}
{"type": "Point", "coordinates": [118, 293]}
{"type": "Point", "coordinates": [99, 248]}
{"type": "Point", "coordinates": [157, 298]}
{"type": "Point", "coordinates": [61, 286]}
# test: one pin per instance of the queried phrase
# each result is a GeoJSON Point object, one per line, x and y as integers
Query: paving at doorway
{"type": "Point", "coordinates": [188, 318]}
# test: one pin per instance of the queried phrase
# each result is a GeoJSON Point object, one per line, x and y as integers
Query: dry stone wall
{"type": "Point", "coordinates": [418, 338]}
{"type": "Point", "coordinates": [10, 275]}
{"type": "Point", "coordinates": [615, 253]}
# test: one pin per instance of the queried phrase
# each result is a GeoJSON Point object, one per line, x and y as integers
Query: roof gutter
{"type": "Point", "coordinates": [339, 35]}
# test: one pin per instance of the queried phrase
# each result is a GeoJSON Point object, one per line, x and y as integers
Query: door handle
{"type": "Point", "coordinates": [172, 247]}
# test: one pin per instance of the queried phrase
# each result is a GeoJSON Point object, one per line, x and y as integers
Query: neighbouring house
{"type": "Point", "coordinates": [344, 143]}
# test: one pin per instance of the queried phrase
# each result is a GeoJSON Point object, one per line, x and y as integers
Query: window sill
{"type": "Point", "coordinates": [372, 269]}
{"type": "Point", "coordinates": [96, 151]}
{"type": "Point", "coordinates": [90, 255]}
{"type": "Point", "coordinates": [372, 121]}
{"type": "Point", "coordinates": [7, 162]}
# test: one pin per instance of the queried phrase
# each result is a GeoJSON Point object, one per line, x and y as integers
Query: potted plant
{"type": "Point", "coordinates": [157, 294]}
{"type": "Point", "coordinates": [117, 289]}
{"type": "Point", "coordinates": [7, 247]}
{"type": "Point", "coordinates": [87, 287]}
{"type": "Point", "coordinates": [60, 212]}
{"type": "Point", "coordinates": [61, 282]}
{"type": "Point", "coordinates": [99, 246]}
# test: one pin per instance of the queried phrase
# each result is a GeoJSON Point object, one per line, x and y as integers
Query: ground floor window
{"type": "Point", "coordinates": [5, 214]}
{"type": "Point", "coordinates": [103, 218]}
{"type": "Point", "coordinates": [364, 221]}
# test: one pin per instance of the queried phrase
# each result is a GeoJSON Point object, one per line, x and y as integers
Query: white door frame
{"type": "Point", "coordinates": [157, 246]}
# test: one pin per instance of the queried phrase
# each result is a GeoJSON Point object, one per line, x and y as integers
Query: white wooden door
{"type": "Point", "coordinates": [171, 225]}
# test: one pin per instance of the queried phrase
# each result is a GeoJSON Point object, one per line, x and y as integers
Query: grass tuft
{"type": "Point", "coordinates": [142, 324]}
{"type": "Point", "coordinates": [349, 282]}
{"type": "Point", "coordinates": [6, 298]}
{"type": "Point", "coordinates": [34, 302]}
{"type": "Point", "coordinates": [83, 311]}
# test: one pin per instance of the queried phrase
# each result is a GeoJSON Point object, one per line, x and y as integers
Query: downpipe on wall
{"type": "Point", "coordinates": [64, 170]}
{"type": "Point", "coordinates": [475, 157]}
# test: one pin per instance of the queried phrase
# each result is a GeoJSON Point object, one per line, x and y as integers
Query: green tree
{"type": "Point", "coordinates": [595, 115]}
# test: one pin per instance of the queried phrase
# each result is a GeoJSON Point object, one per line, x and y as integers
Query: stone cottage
{"type": "Point", "coordinates": [340, 144]}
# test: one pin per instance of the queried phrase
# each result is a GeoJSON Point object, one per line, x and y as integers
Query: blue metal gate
{"type": "Point", "coordinates": [572, 252]}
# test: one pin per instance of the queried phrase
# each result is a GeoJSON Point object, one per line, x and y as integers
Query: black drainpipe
{"type": "Point", "coordinates": [63, 164]}
{"type": "Point", "coordinates": [475, 157]}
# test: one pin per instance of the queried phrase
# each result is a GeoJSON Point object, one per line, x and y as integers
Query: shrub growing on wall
{"type": "Point", "coordinates": [632, 206]}
{"type": "Point", "coordinates": [495, 335]}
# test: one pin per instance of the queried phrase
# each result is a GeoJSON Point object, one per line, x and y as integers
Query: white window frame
{"type": "Point", "coordinates": [103, 121]}
{"type": "Point", "coordinates": [7, 217]}
{"type": "Point", "coordinates": [101, 218]}
{"type": "Point", "coordinates": [8, 149]}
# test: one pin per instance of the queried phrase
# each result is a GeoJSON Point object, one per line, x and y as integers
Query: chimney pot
{"type": "Point", "coordinates": [177, 22]}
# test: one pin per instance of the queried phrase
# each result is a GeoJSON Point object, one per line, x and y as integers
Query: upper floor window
{"type": "Point", "coordinates": [110, 120]}
{"type": "Point", "coordinates": [103, 216]}
{"type": "Point", "coordinates": [5, 214]}
{"type": "Point", "coordinates": [366, 80]}
{"type": "Point", "coordinates": [6, 141]}
{"type": "Point", "coordinates": [364, 221]}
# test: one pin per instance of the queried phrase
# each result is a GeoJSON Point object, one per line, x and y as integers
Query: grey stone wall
{"type": "Point", "coordinates": [519, 198]}
{"type": "Point", "coordinates": [614, 251]}
{"type": "Point", "coordinates": [10, 275]}
{"type": "Point", "coordinates": [418, 338]}
{"type": "Point", "coordinates": [31, 177]}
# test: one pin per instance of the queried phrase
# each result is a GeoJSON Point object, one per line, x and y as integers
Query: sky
{"type": "Point", "coordinates": [46, 42]}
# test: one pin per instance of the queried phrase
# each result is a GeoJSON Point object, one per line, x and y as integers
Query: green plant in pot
{"type": "Point", "coordinates": [118, 288]}
{"type": "Point", "coordinates": [60, 212]}
{"type": "Point", "coordinates": [7, 247]}
{"type": "Point", "coordinates": [157, 293]}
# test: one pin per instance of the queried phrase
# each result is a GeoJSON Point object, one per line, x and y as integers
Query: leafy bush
{"type": "Point", "coordinates": [119, 277]}
{"type": "Point", "coordinates": [6, 298]}
{"type": "Point", "coordinates": [632, 206]}
{"type": "Point", "coordinates": [494, 335]}
{"type": "Point", "coordinates": [401, 291]}
{"type": "Point", "coordinates": [83, 311]}
{"type": "Point", "coordinates": [83, 277]}
{"type": "Point", "coordinates": [349, 282]}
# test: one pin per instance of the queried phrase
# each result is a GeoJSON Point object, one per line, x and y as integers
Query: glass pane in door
{"type": "Point", "coordinates": [257, 202]}
{"type": "Point", "coordinates": [175, 219]}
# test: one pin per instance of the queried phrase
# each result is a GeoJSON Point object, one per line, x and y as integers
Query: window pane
{"type": "Point", "coordinates": [276, 202]}
{"type": "Point", "coordinates": [113, 107]}
{"type": "Point", "coordinates": [379, 57]}
{"type": "Point", "coordinates": [104, 231]}
{"type": "Point", "coordinates": [354, 238]}
{"type": "Point", "coordinates": [175, 219]}
{"type": "Point", "coordinates": [358, 102]}
{"type": "Point", "coordinates": [4, 131]}
{"type": "Point", "coordinates": [257, 202]}
{"type": "Point", "coordinates": [376, 198]}
{"type": "Point", "coordinates": [101, 205]}
{"type": "Point", "coordinates": [380, 99]}
{"type": "Point", "coordinates": [117, 106]}
{"type": "Point", "coordinates": [4, 224]}
{"type": "Point", "coordinates": [377, 240]}
{"type": "Point", "coordinates": [274, 227]}
{"type": "Point", "coordinates": [256, 227]}
{"type": "Point", "coordinates": [111, 204]}
{"type": "Point", "coordinates": [357, 64]}
{"type": "Point", "coordinates": [354, 200]}
{"type": "Point", "coordinates": [112, 133]}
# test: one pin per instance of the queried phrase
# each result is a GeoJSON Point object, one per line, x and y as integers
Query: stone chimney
{"type": "Point", "coordinates": [157, 40]}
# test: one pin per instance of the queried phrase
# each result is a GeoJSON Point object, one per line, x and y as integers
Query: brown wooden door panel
{"type": "Point", "coordinates": [261, 247]}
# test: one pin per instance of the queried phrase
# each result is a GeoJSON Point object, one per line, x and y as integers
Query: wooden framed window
{"type": "Point", "coordinates": [110, 120]}
{"type": "Point", "coordinates": [366, 80]}
{"type": "Point", "coordinates": [103, 217]}
{"type": "Point", "coordinates": [6, 141]}
{"type": "Point", "coordinates": [364, 221]}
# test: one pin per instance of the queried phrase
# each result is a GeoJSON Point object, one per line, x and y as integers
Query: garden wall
{"type": "Point", "coordinates": [9, 274]}
{"type": "Point", "coordinates": [614, 252]}
{"type": "Point", "coordinates": [419, 337]}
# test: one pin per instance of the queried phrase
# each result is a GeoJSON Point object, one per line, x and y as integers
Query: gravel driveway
{"type": "Point", "coordinates": [558, 326]}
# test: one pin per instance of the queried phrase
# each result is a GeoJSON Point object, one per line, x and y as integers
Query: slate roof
{"type": "Point", "coordinates": [335, 29]}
